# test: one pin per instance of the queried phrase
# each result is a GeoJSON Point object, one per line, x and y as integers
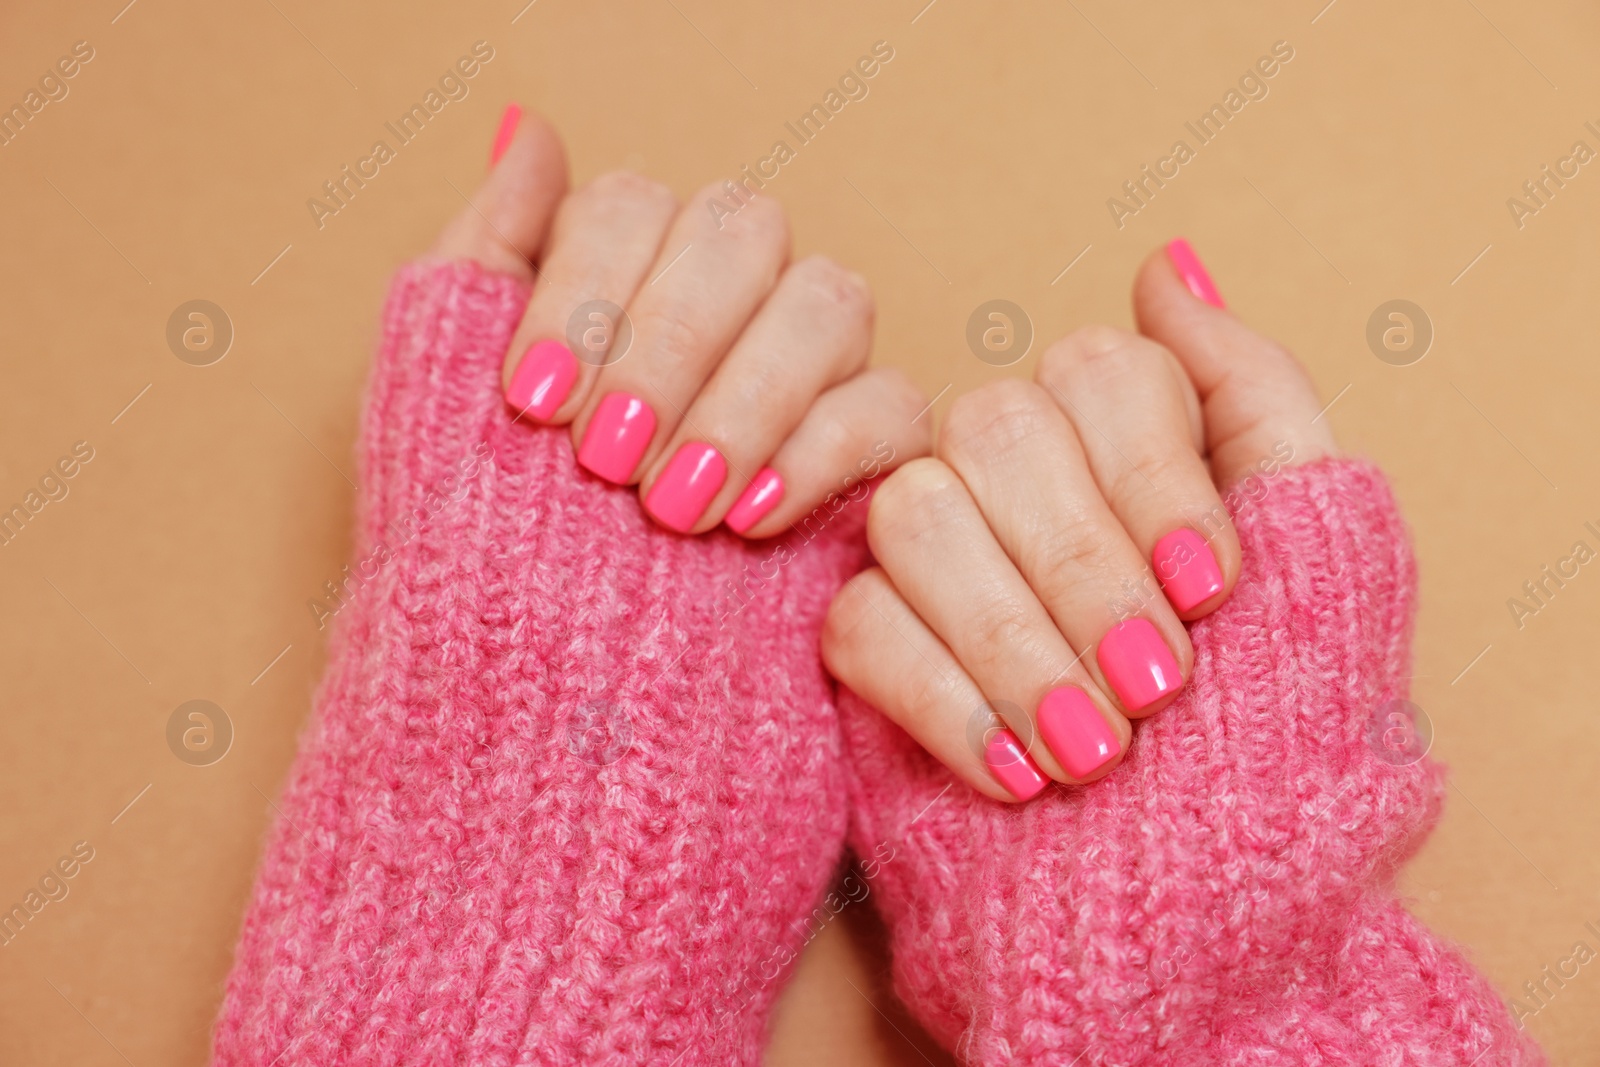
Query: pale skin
{"type": "Point", "coordinates": [733, 344]}
{"type": "Point", "coordinates": [1006, 548]}
{"type": "Point", "coordinates": [1052, 495]}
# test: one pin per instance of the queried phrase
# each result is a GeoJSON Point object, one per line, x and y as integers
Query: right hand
{"type": "Point", "coordinates": [1034, 577]}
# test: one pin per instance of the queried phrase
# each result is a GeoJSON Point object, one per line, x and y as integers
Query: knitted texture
{"type": "Point", "coordinates": [1225, 895]}
{"type": "Point", "coordinates": [563, 799]}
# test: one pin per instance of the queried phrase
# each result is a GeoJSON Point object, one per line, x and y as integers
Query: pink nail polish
{"type": "Point", "coordinates": [1010, 763]}
{"type": "Point", "coordinates": [1186, 568]}
{"type": "Point", "coordinates": [617, 437]}
{"type": "Point", "coordinates": [543, 379]}
{"type": "Point", "coordinates": [691, 478]}
{"type": "Point", "coordinates": [508, 129]}
{"type": "Point", "coordinates": [1138, 663]}
{"type": "Point", "coordinates": [764, 493]}
{"type": "Point", "coordinates": [1076, 732]}
{"type": "Point", "coordinates": [1193, 272]}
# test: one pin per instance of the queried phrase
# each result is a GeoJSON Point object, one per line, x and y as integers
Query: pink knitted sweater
{"type": "Point", "coordinates": [574, 786]}
{"type": "Point", "coordinates": [566, 797]}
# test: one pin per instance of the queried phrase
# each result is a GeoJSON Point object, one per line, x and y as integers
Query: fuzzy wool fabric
{"type": "Point", "coordinates": [1225, 896]}
{"type": "Point", "coordinates": [565, 797]}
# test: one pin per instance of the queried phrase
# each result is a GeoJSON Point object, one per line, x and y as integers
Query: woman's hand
{"type": "Point", "coordinates": [1034, 577]}
{"type": "Point", "coordinates": [689, 356]}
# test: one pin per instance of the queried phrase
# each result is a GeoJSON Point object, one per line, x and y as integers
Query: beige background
{"type": "Point", "coordinates": [978, 167]}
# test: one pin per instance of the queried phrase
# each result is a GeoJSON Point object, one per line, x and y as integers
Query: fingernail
{"type": "Point", "coordinates": [1076, 732]}
{"type": "Point", "coordinates": [1193, 272]}
{"type": "Point", "coordinates": [692, 477]}
{"type": "Point", "coordinates": [764, 493]}
{"type": "Point", "coordinates": [1186, 568]}
{"type": "Point", "coordinates": [1010, 763]}
{"type": "Point", "coordinates": [543, 379]}
{"type": "Point", "coordinates": [617, 437]}
{"type": "Point", "coordinates": [508, 129]}
{"type": "Point", "coordinates": [1138, 664]}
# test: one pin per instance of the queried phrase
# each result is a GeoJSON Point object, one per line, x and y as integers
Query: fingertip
{"type": "Point", "coordinates": [509, 118]}
{"type": "Point", "coordinates": [504, 225]}
{"type": "Point", "coordinates": [1087, 740]}
{"type": "Point", "coordinates": [764, 493]}
{"type": "Point", "coordinates": [1168, 309]}
{"type": "Point", "coordinates": [1008, 760]}
{"type": "Point", "coordinates": [530, 164]}
{"type": "Point", "coordinates": [1191, 575]}
{"type": "Point", "coordinates": [1187, 265]}
{"type": "Point", "coordinates": [541, 380]}
{"type": "Point", "coordinates": [1256, 396]}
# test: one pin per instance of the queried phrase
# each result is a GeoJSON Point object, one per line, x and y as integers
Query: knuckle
{"type": "Point", "coordinates": [902, 388]}
{"type": "Point", "coordinates": [993, 420]}
{"type": "Point", "coordinates": [760, 218]}
{"type": "Point", "coordinates": [839, 290]}
{"type": "Point", "coordinates": [923, 691]}
{"type": "Point", "coordinates": [899, 391]}
{"type": "Point", "coordinates": [836, 436]}
{"type": "Point", "coordinates": [1068, 548]}
{"type": "Point", "coordinates": [626, 185]}
{"type": "Point", "coordinates": [919, 496]}
{"type": "Point", "coordinates": [1096, 352]}
{"type": "Point", "coordinates": [849, 609]}
{"type": "Point", "coordinates": [905, 399]}
{"type": "Point", "coordinates": [1289, 364]}
{"type": "Point", "coordinates": [1163, 469]}
{"type": "Point", "coordinates": [1002, 623]}
{"type": "Point", "coordinates": [677, 326]}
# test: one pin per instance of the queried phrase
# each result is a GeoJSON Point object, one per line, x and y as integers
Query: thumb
{"type": "Point", "coordinates": [1254, 395]}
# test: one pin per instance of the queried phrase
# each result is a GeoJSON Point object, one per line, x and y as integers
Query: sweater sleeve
{"type": "Point", "coordinates": [1226, 895]}
{"type": "Point", "coordinates": [571, 785]}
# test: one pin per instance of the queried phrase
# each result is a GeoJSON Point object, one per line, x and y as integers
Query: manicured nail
{"type": "Point", "coordinates": [508, 129]}
{"type": "Point", "coordinates": [1193, 272]}
{"type": "Point", "coordinates": [1138, 663]}
{"type": "Point", "coordinates": [543, 379]}
{"type": "Point", "coordinates": [764, 493]}
{"type": "Point", "coordinates": [1186, 568]}
{"type": "Point", "coordinates": [692, 477]}
{"type": "Point", "coordinates": [617, 437]}
{"type": "Point", "coordinates": [1076, 732]}
{"type": "Point", "coordinates": [1010, 763]}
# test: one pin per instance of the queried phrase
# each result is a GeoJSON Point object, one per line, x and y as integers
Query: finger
{"type": "Point", "coordinates": [875, 644]}
{"type": "Point", "coordinates": [1259, 404]}
{"type": "Point", "coordinates": [709, 278]}
{"type": "Point", "coordinates": [930, 537]}
{"type": "Point", "coordinates": [504, 225]}
{"type": "Point", "coordinates": [603, 240]}
{"type": "Point", "coordinates": [815, 329]}
{"type": "Point", "coordinates": [1022, 462]}
{"type": "Point", "coordinates": [1139, 423]}
{"type": "Point", "coordinates": [851, 434]}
